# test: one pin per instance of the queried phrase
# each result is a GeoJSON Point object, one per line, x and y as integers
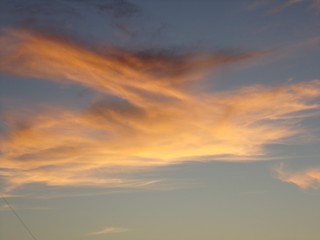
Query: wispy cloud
{"type": "Point", "coordinates": [154, 119]}
{"type": "Point", "coordinates": [119, 9]}
{"type": "Point", "coordinates": [309, 178]}
{"type": "Point", "coordinates": [4, 207]}
{"type": "Point", "coordinates": [39, 10]}
{"type": "Point", "coordinates": [280, 6]}
{"type": "Point", "coordinates": [110, 230]}
{"type": "Point", "coordinates": [124, 73]}
{"type": "Point", "coordinates": [124, 20]}
{"type": "Point", "coordinates": [286, 4]}
{"type": "Point", "coordinates": [316, 4]}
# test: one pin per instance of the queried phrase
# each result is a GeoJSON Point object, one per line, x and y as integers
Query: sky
{"type": "Point", "coordinates": [159, 119]}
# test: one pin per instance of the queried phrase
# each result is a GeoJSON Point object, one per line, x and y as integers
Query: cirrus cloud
{"type": "Point", "coordinates": [309, 178]}
{"type": "Point", "coordinates": [110, 230]}
{"type": "Point", "coordinates": [153, 119]}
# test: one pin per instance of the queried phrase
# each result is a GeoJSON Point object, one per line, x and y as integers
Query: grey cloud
{"type": "Point", "coordinates": [119, 9]}
{"type": "Point", "coordinates": [66, 14]}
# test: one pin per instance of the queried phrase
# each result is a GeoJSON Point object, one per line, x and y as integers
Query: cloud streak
{"type": "Point", "coordinates": [285, 5]}
{"type": "Point", "coordinates": [280, 6]}
{"type": "Point", "coordinates": [309, 178]}
{"type": "Point", "coordinates": [276, 7]}
{"type": "Point", "coordinates": [110, 230]}
{"type": "Point", "coordinates": [153, 118]}
{"type": "Point", "coordinates": [123, 73]}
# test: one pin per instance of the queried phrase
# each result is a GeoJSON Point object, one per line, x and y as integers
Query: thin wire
{"type": "Point", "coordinates": [19, 218]}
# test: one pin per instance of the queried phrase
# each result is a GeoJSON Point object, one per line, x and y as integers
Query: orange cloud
{"type": "Point", "coordinates": [125, 74]}
{"type": "Point", "coordinates": [309, 178]}
{"type": "Point", "coordinates": [155, 121]}
{"type": "Point", "coordinates": [67, 148]}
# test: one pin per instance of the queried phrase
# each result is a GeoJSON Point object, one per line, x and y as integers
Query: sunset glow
{"type": "Point", "coordinates": [182, 126]}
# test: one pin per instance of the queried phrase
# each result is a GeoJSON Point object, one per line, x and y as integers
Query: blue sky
{"type": "Point", "coordinates": [160, 119]}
